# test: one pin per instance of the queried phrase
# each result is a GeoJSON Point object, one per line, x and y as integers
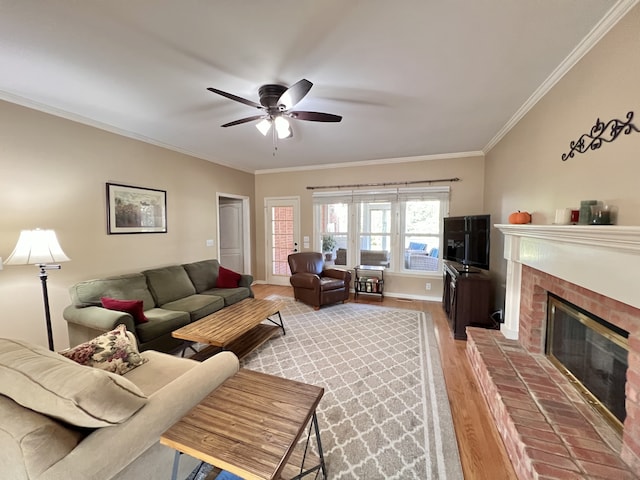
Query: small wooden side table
{"type": "Point", "coordinates": [250, 426]}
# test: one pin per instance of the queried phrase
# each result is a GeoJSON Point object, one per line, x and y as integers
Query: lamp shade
{"type": "Point", "coordinates": [37, 247]}
{"type": "Point", "coordinates": [282, 127]}
{"type": "Point", "coordinates": [264, 125]}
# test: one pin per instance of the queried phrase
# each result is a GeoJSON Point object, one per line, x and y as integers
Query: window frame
{"type": "Point", "coordinates": [403, 234]}
{"type": "Point", "coordinates": [397, 198]}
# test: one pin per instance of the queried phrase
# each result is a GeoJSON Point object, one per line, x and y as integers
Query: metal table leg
{"type": "Point", "coordinates": [321, 465]}
{"type": "Point", "coordinates": [176, 463]}
{"type": "Point", "coordinates": [279, 323]}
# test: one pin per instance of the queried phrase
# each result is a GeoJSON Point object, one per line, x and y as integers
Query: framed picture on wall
{"type": "Point", "coordinates": [135, 209]}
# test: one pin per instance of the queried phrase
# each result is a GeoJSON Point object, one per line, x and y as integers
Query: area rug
{"type": "Point", "coordinates": [385, 412]}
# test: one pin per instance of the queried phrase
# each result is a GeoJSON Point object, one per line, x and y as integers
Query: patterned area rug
{"type": "Point", "coordinates": [385, 412]}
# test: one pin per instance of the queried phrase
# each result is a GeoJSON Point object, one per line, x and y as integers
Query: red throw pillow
{"type": "Point", "coordinates": [227, 278]}
{"type": "Point", "coordinates": [133, 307]}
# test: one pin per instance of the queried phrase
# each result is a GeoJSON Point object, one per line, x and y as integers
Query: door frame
{"type": "Point", "coordinates": [246, 227]}
{"type": "Point", "coordinates": [268, 260]}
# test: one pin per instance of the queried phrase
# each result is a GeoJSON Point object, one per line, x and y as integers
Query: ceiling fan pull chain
{"type": "Point", "coordinates": [275, 140]}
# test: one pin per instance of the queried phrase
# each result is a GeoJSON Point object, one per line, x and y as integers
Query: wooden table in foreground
{"type": "Point", "coordinates": [250, 426]}
{"type": "Point", "coordinates": [237, 328]}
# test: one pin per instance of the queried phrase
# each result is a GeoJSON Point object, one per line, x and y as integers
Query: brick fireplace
{"type": "Point", "coordinates": [596, 268]}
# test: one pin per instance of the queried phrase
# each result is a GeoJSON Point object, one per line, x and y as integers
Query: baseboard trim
{"type": "Point", "coordinates": [399, 296]}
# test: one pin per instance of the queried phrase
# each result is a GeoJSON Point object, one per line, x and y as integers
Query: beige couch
{"type": "Point", "coordinates": [96, 425]}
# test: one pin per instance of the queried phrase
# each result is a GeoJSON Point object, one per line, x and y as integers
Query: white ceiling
{"type": "Point", "coordinates": [410, 77]}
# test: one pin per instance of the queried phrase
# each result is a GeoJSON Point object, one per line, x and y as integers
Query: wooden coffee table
{"type": "Point", "coordinates": [250, 426]}
{"type": "Point", "coordinates": [237, 328]}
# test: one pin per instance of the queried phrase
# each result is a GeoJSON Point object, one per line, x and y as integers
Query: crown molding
{"type": "Point", "coordinates": [384, 161]}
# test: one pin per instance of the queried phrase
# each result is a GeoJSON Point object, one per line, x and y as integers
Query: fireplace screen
{"type": "Point", "coordinates": [592, 353]}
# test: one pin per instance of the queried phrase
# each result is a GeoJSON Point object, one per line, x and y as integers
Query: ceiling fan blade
{"type": "Point", "coordinates": [243, 120]}
{"type": "Point", "coordinates": [315, 116]}
{"type": "Point", "coordinates": [294, 94]}
{"type": "Point", "coordinates": [236, 98]}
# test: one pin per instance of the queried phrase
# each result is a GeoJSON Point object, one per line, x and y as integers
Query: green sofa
{"type": "Point", "coordinates": [172, 297]}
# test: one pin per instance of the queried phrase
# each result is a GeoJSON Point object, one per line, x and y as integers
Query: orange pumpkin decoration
{"type": "Point", "coordinates": [520, 218]}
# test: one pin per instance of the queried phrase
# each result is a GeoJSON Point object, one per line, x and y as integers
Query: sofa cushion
{"type": "Point", "coordinates": [329, 283]}
{"type": "Point", "coordinates": [197, 306]}
{"type": "Point", "coordinates": [161, 322]}
{"type": "Point", "coordinates": [203, 274]}
{"type": "Point", "coordinates": [133, 307]}
{"type": "Point", "coordinates": [169, 283]}
{"type": "Point", "coordinates": [55, 386]}
{"type": "Point", "coordinates": [123, 287]}
{"type": "Point", "coordinates": [112, 351]}
{"type": "Point", "coordinates": [227, 278]}
{"type": "Point", "coordinates": [33, 433]}
{"type": "Point", "coordinates": [230, 295]}
{"type": "Point", "coordinates": [160, 370]}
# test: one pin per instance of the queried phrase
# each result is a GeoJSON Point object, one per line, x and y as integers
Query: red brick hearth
{"type": "Point", "coordinates": [549, 430]}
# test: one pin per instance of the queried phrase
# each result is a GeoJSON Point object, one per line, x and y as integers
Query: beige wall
{"type": "Point", "coordinates": [53, 175]}
{"type": "Point", "coordinates": [466, 198]}
{"type": "Point", "coordinates": [525, 171]}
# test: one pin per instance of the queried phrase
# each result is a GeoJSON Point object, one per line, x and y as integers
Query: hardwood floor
{"type": "Point", "coordinates": [482, 452]}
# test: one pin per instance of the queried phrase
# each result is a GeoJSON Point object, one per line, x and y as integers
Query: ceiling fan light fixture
{"type": "Point", "coordinates": [276, 102]}
{"type": "Point", "coordinates": [282, 127]}
{"type": "Point", "coordinates": [263, 126]}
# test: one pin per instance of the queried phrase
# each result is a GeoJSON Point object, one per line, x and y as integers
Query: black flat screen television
{"type": "Point", "coordinates": [466, 240]}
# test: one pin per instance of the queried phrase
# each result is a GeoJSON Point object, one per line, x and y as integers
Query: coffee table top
{"type": "Point", "coordinates": [222, 327]}
{"type": "Point", "coordinates": [248, 426]}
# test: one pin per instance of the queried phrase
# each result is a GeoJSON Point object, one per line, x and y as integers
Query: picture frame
{"type": "Point", "coordinates": [135, 209]}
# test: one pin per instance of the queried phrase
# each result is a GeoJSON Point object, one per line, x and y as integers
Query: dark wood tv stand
{"type": "Point", "coordinates": [465, 299]}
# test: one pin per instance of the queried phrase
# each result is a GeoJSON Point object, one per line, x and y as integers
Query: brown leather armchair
{"type": "Point", "coordinates": [315, 285]}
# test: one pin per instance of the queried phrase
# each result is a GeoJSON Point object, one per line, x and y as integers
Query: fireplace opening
{"type": "Point", "coordinates": [592, 353]}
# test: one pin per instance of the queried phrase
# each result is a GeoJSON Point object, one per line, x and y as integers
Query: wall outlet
{"type": "Point", "coordinates": [427, 286]}
{"type": "Point", "coordinates": [209, 243]}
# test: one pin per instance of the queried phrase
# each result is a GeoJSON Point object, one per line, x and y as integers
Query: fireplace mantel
{"type": "Point", "coordinates": [602, 258]}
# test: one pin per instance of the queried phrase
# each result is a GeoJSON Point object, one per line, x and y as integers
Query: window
{"type": "Point", "coordinates": [374, 233]}
{"type": "Point", "coordinates": [420, 234]}
{"type": "Point", "coordinates": [399, 229]}
{"type": "Point", "coordinates": [333, 231]}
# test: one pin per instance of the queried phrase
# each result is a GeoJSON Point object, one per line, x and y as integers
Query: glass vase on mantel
{"type": "Point", "coordinates": [585, 211]}
{"type": "Point", "coordinates": [601, 215]}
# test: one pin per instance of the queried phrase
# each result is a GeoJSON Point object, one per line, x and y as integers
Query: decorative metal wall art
{"type": "Point", "coordinates": [600, 133]}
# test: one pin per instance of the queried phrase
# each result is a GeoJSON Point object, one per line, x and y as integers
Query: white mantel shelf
{"type": "Point", "coordinates": [601, 236]}
{"type": "Point", "coordinates": [601, 258]}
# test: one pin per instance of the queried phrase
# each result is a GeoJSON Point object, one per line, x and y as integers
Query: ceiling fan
{"type": "Point", "coordinates": [276, 102]}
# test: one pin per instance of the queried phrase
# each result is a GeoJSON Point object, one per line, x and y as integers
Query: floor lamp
{"type": "Point", "coordinates": [41, 248]}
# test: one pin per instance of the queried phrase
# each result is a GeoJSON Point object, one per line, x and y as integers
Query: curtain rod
{"type": "Point", "coordinates": [384, 184]}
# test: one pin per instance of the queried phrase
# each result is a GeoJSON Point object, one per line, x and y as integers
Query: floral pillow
{"type": "Point", "coordinates": [111, 351]}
